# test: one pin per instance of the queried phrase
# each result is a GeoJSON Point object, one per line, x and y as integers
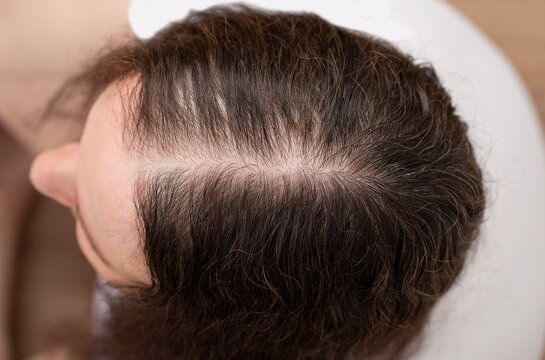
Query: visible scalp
{"type": "Point", "coordinates": [307, 191]}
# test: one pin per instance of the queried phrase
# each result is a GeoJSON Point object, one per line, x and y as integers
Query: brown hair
{"type": "Point", "coordinates": [311, 191]}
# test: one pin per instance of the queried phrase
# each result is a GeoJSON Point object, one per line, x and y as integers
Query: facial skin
{"type": "Point", "coordinates": [96, 177]}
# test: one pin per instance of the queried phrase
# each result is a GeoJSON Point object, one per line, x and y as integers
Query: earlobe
{"type": "Point", "coordinates": [53, 173]}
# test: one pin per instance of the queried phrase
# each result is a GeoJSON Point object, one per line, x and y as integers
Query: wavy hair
{"type": "Point", "coordinates": [309, 190]}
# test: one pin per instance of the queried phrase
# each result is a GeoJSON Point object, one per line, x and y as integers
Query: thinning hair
{"type": "Point", "coordinates": [309, 190]}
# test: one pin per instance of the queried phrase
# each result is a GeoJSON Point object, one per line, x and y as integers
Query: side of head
{"type": "Point", "coordinates": [300, 190]}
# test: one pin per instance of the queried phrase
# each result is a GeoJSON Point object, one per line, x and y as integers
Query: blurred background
{"type": "Point", "coordinates": [50, 295]}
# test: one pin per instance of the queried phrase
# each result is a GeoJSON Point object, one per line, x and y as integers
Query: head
{"type": "Point", "coordinates": [267, 184]}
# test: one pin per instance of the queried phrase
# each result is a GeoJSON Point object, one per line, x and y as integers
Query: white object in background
{"type": "Point", "coordinates": [497, 308]}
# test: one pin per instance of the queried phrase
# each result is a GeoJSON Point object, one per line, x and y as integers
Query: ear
{"type": "Point", "coordinates": [53, 173]}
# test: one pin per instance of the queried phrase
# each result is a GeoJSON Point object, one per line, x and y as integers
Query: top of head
{"type": "Point", "coordinates": [296, 168]}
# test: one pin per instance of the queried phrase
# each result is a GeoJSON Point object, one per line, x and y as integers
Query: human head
{"type": "Point", "coordinates": [290, 188]}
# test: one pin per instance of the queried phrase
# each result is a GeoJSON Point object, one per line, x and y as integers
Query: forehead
{"type": "Point", "coordinates": [105, 174]}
